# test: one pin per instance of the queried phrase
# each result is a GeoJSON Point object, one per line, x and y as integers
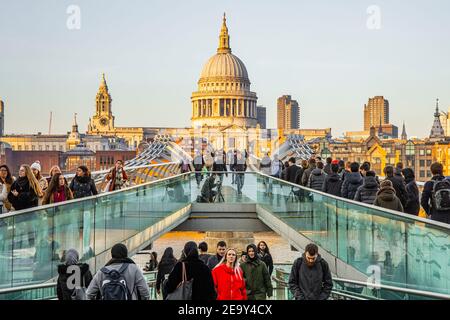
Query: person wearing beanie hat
{"type": "Point", "coordinates": [43, 183]}
{"type": "Point", "coordinates": [387, 198]}
{"type": "Point", "coordinates": [196, 270]}
{"type": "Point", "coordinates": [134, 279]}
{"type": "Point", "coordinates": [256, 275]}
{"type": "Point", "coordinates": [85, 276]}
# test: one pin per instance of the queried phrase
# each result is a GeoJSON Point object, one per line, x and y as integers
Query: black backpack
{"type": "Point", "coordinates": [441, 195]}
{"type": "Point", "coordinates": [114, 285]}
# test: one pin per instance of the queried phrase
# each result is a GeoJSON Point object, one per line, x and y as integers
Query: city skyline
{"type": "Point", "coordinates": [62, 72]}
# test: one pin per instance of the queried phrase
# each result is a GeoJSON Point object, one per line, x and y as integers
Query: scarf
{"type": "Point", "coordinates": [60, 195]}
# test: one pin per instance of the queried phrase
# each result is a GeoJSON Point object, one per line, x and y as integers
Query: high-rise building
{"type": "Point", "coordinates": [288, 113]}
{"type": "Point", "coordinates": [2, 118]}
{"type": "Point", "coordinates": [376, 112]}
{"type": "Point", "coordinates": [261, 116]}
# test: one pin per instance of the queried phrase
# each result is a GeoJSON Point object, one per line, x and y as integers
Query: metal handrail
{"type": "Point", "coordinates": [397, 289]}
{"type": "Point", "coordinates": [361, 204]}
{"type": "Point", "coordinates": [48, 206]}
{"type": "Point", "coordinates": [29, 287]}
{"type": "Point", "coordinates": [71, 175]}
{"type": "Point", "coordinates": [49, 285]}
{"type": "Point", "coordinates": [428, 294]}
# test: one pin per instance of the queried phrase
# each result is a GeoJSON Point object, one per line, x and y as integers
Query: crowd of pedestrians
{"type": "Point", "coordinates": [227, 275]}
{"type": "Point", "coordinates": [398, 190]}
{"type": "Point", "coordinates": [31, 189]}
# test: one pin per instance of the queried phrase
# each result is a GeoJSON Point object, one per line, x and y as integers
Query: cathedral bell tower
{"type": "Point", "coordinates": [103, 120]}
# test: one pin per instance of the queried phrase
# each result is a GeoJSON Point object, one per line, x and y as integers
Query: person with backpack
{"type": "Point", "coordinates": [352, 181]}
{"type": "Point", "coordinates": [195, 271]}
{"type": "Point", "coordinates": [256, 275]}
{"type": "Point", "coordinates": [165, 267]}
{"type": "Point", "coordinates": [436, 195]}
{"type": "Point", "coordinates": [310, 277]}
{"type": "Point", "coordinates": [119, 279]}
{"type": "Point", "coordinates": [367, 193]}
{"type": "Point", "coordinates": [387, 198]}
{"type": "Point", "coordinates": [68, 270]}
{"type": "Point", "coordinates": [333, 182]}
{"type": "Point", "coordinates": [413, 204]}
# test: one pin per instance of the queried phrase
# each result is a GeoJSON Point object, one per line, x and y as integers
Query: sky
{"type": "Point", "coordinates": [330, 56]}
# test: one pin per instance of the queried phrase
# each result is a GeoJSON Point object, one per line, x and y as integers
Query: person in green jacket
{"type": "Point", "coordinates": [256, 275]}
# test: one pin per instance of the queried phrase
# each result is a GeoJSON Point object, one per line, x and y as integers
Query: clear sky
{"type": "Point", "coordinates": [320, 52]}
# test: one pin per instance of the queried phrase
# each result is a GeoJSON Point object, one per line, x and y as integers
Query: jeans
{"type": "Point", "coordinates": [198, 177]}
{"type": "Point", "coordinates": [240, 181]}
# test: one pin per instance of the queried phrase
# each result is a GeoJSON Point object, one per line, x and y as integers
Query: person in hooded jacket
{"type": "Point", "coordinates": [136, 284]}
{"type": "Point", "coordinates": [165, 267]}
{"type": "Point", "coordinates": [203, 284]}
{"type": "Point", "coordinates": [265, 256]}
{"type": "Point", "coordinates": [256, 275]}
{"type": "Point", "coordinates": [333, 182]}
{"type": "Point", "coordinates": [367, 193]}
{"type": "Point", "coordinates": [25, 191]}
{"type": "Point", "coordinates": [82, 185]}
{"type": "Point", "coordinates": [387, 198]}
{"type": "Point", "coordinates": [85, 275]}
{"type": "Point", "coordinates": [413, 204]}
{"type": "Point", "coordinates": [228, 278]}
{"type": "Point", "coordinates": [352, 182]}
{"type": "Point", "coordinates": [317, 178]}
{"type": "Point", "coordinates": [398, 184]}
{"type": "Point", "coordinates": [310, 277]}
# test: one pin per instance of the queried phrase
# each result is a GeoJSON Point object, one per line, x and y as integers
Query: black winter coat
{"type": "Point", "coordinates": [427, 202]}
{"type": "Point", "coordinates": [267, 259]}
{"type": "Point", "coordinates": [306, 174]}
{"type": "Point", "coordinates": [313, 283]}
{"type": "Point", "coordinates": [351, 184]}
{"type": "Point", "coordinates": [291, 173]}
{"type": "Point", "coordinates": [316, 179]}
{"type": "Point", "coordinates": [164, 267]}
{"type": "Point", "coordinates": [63, 292]}
{"type": "Point", "coordinates": [367, 193]}
{"type": "Point", "coordinates": [83, 187]}
{"type": "Point", "coordinates": [26, 198]}
{"type": "Point", "coordinates": [203, 285]}
{"type": "Point", "coordinates": [333, 185]}
{"type": "Point", "coordinates": [400, 189]}
{"type": "Point", "coordinates": [413, 204]}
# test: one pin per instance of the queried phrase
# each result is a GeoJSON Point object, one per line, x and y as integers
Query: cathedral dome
{"type": "Point", "coordinates": [224, 65]}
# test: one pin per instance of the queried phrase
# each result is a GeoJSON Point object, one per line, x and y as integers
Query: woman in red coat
{"type": "Point", "coordinates": [228, 278]}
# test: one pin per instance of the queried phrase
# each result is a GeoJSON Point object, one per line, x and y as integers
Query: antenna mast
{"type": "Point", "coordinates": [50, 124]}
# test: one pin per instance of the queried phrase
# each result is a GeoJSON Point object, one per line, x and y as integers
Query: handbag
{"type": "Point", "coordinates": [184, 289]}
